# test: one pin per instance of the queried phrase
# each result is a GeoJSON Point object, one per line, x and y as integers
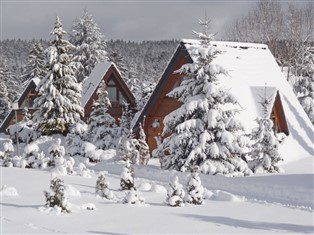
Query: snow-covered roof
{"type": "Point", "coordinates": [35, 80]}
{"type": "Point", "coordinates": [91, 83]}
{"type": "Point", "coordinates": [250, 67]}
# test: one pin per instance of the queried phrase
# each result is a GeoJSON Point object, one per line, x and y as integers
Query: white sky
{"type": "Point", "coordinates": [128, 19]}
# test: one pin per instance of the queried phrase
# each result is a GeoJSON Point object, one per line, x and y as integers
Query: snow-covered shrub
{"type": "Point", "coordinates": [32, 158]}
{"type": "Point", "coordinates": [143, 147]}
{"type": "Point", "coordinates": [133, 197]}
{"type": "Point", "coordinates": [6, 156]}
{"type": "Point", "coordinates": [91, 152]}
{"type": "Point", "coordinates": [56, 196]}
{"type": "Point", "coordinates": [74, 139]}
{"type": "Point", "coordinates": [102, 187]}
{"type": "Point", "coordinates": [195, 190]}
{"type": "Point", "coordinates": [175, 193]}
{"type": "Point", "coordinates": [58, 162]}
{"type": "Point", "coordinates": [8, 191]}
{"type": "Point", "coordinates": [24, 131]}
{"type": "Point", "coordinates": [127, 177]}
{"type": "Point", "coordinates": [83, 171]}
{"type": "Point", "coordinates": [128, 149]}
{"type": "Point", "coordinates": [265, 155]}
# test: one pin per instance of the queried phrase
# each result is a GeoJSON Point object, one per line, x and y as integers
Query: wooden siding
{"type": "Point", "coordinates": [278, 116]}
{"type": "Point", "coordinates": [162, 106]}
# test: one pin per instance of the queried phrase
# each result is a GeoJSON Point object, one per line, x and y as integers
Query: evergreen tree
{"type": "Point", "coordinates": [102, 128]}
{"type": "Point", "coordinates": [102, 187]}
{"type": "Point", "coordinates": [202, 132]}
{"type": "Point", "coordinates": [4, 101]}
{"type": "Point", "coordinates": [175, 194]}
{"type": "Point", "coordinates": [143, 147]}
{"type": "Point", "coordinates": [128, 148]}
{"type": "Point", "coordinates": [127, 177]}
{"type": "Point", "coordinates": [195, 189]}
{"type": "Point", "coordinates": [35, 66]}
{"type": "Point", "coordinates": [9, 79]}
{"type": "Point", "coordinates": [56, 196]}
{"type": "Point", "coordinates": [304, 85]}
{"type": "Point", "coordinates": [118, 60]}
{"type": "Point", "coordinates": [265, 155]}
{"type": "Point", "coordinates": [59, 103]}
{"type": "Point", "coordinates": [90, 45]}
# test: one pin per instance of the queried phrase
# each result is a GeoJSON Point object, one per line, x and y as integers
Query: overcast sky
{"type": "Point", "coordinates": [128, 20]}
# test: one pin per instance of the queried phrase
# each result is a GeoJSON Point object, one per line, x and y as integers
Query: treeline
{"type": "Point", "coordinates": [147, 58]}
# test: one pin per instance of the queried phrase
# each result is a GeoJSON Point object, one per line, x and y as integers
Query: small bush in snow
{"type": "Point", "coordinates": [128, 148]}
{"type": "Point", "coordinates": [61, 165]}
{"type": "Point", "coordinates": [56, 196]}
{"type": "Point", "coordinates": [143, 147]}
{"type": "Point", "coordinates": [133, 197]}
{"type": "Point", "coordinates": [101, 187]}
{"type": "Point", "coordinates": [6, 157]}
{"type": "Point", "coordinates": [175, 193]}
{"type": "Point", "coordinates": [127, 177]}
{"type": "Point", "coordinates": [83, 171]}
{"type": "Point", "coordinates": [74, 139]}
{"type": "Point", "coordinates": [195, 189]}
{"type": "Point", "coordinates": [32, 158]}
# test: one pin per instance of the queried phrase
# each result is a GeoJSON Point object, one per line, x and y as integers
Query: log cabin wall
{"type": "Point", "coordinates": [153, 125]}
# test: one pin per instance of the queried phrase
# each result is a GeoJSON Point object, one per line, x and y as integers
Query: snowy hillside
{"type": "Point", "coordinates": [267, 203]}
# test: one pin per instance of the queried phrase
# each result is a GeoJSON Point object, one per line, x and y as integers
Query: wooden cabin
{"type": "Point", "coordinates": [117, 90]}
{"type": "Point", "coordinates": [159, 105]}
{"type": "Point", "coordinates": [26, 100]}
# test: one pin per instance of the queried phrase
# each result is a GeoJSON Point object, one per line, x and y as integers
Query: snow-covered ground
{"type": "Point", "coordinates": [263, 204]}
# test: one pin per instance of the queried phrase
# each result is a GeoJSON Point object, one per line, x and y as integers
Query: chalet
{"type": "Point", "coordinates": [117, 90]}
{"type": "Point", "coordinates": [26, 100]}
{"type": "Point", "coordinates": [250, 67]}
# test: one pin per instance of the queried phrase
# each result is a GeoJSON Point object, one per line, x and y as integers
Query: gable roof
{"type": "Point", "coordinates": [250, 66]}
{"type": "Point", "coordinates": [32, 84]}
{"type": "Point", "coordinates": [103, 71]}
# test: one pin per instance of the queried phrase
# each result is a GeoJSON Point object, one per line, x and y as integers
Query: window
{"type": "Point", "coordinates": [114, 94]}
{"type": "Point", "coordinates": [112, 91]}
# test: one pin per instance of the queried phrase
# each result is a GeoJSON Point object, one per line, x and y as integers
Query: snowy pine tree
{"type": "Point", "coordinates": [11, 83]}
{"type": "Point", "coordinates": [265, 155]}
{"type": "Point", "coordinates": [35, 65]}
{"type": "Point", "coordinates": [128, 148]}
{"type": "Point", "coordinates": [118, 60]}
{"type": "Point", "coordinates": [59, 104]}
{"type": "Point", "coordinates": [4, 101]}
{"type": "Point", "coordinates": [90, 45]}
{"type": "Point", "coordinates": [102, 187]}
{"type": "Point", "coordinates": [101, 128]}
{"type": "Point", "coordinates": [195, 189]}
{"type": "Point", "coordinates": [127, 177]}
{"type": "Point", "coordinates": [175, 193]}
{"type": "Point", "coordinates": [304, 85]}
{"type": "Point", "coordinates": [203, 132]}
{"type": "Point", "coordinates": [56, 196]}
{"type": "Point", "coordinates": [143, 147]}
